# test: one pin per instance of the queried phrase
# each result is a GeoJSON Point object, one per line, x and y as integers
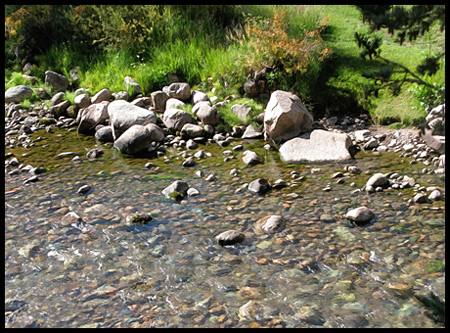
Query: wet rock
{"type": "Point", "coordinates": [360, 215]}
{"type": "Point", "coordinates": [435, 195]}
{"type": "Point", "coordinates": [362, 135]}
{"type": "Point", "coordinates": [269, 224]}
{"type": "Point", "coordinates": [135, 139]}
{"type": "Point", "coordinates": [210, 178]}
{"type": "Point", "coordinates": [178, 186]}
{"type": "Point", "coordinates": [420, 198]}
{"type": "Point", "coordinates": [70, 218]}
{"type": "Point", "coordinates": [14, 305]}
{"type": "Point", "coordinates": [138, 219]}
{"type": "Point", "coordinates": [249, 310]}
{"type": "Point", "coordinates": [378, 179]}
{"type": "Point", "coordinates": [193, 192]}
{"type": "Point", "coordinates": [279, 183]}
{"type": "Point", "coordinates": [84, 189]}
{"type": "Point", "coordinates": [251, 158]}
{"type": "Point", "coordinates": [105, 134]}
{"type": "Point", "coordinates": [191, 144]}
{"type": "Point", "coordinates": [310, 314]}
{"type": "Point", "coordinates": [32, 179]}
{"type": "Point", "coordinates": [260, 186]}
{"type": "Point", "coordinates": [230, 237]}
{"type": "Point", "coordinates": [94, 153]}
{"type": "Point", "coordinates": [190, 162]}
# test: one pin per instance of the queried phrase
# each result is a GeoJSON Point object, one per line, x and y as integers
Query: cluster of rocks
{"type": "Point", "coordinates": [393, 180]}
{"type": "Point", "coordinates": [152, 123]}
{"type": "Point", "coordinates": [434, 131]}
{"type": "Point", "coordinates": [406, 143]}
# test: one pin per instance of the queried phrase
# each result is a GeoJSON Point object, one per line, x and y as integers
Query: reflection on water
{"type": "Point", "coordinates": [319, 271]}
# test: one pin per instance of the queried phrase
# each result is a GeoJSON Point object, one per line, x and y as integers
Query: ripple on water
{"type": "Point", "coordinates": [318, 271]}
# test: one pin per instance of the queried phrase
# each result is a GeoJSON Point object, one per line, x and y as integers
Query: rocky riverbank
{"type": "Point", "coordinates": [151, 124]}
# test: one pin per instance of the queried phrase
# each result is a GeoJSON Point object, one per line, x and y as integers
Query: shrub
{"type": "Point", "coordinates": [274, 48]}
{"type": "Point", "coordinates": [428, 98]}
{"type": "Point", "coordinates": [32, 29]}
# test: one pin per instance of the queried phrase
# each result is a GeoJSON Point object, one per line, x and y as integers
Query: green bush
{"type": "Point", "coordinates": [427, 98]}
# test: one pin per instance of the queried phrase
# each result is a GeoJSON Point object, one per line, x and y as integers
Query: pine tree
{"type": "Point", "coordinates": [405, 24]}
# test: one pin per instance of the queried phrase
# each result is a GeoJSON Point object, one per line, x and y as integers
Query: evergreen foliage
{"type": "Point", "coordinates": [406, 23]}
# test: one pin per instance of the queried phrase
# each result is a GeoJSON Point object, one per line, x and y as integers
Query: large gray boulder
{"type": "Point", "coordinates": [198, 96]}
{"type": "Point", "coordinates": [285, 116]}
{"type": "Point", "coordinates": [208, 115]}
{"type": "Point", "coordinates": [178, 90]}
{"type": "Point", "coordinates": [123, 115]}
{"type": "Point", "coordinates": [82, 101]}
{"type": "Point", "coordinates": [174, 103]}
{"type": "Point", "coordinates": [133, 140]}
{"type": "Point", "coordinates": [159, 99]}
{"type": "Point", "coordinates": [91, 116]}
{"type": "Point", "coordinates": [175, 119]}
{"type": "Point", "coordinates": [190, 130]}
{"type": "Point", "coordinates": [321, 146]}
{"type": "Point", "coordinates": [57, 81]}
{"type": "Point", "coordinates": [103, 95]}
{"type": "Point", "coordinates": [155, 132]}
{"type": "Point", "coordinates": [17, 93]}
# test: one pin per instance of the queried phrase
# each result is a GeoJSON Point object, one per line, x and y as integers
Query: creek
{"type": "Point", "coordinates": [318, 271]}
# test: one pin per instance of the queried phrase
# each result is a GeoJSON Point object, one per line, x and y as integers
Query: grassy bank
{"type": "Point", "coordinates": [211, 52]}
{"type": "Point", "coordinates": [401, 110]}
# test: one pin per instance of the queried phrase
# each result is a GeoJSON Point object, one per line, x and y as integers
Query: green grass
{"type": "Point", "coordinates": [346, 78]}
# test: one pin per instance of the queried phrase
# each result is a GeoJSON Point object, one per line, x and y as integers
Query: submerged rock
{"type": "Point", "coordinates": [138, 219]}
{"type": "Point", "coordinates": [269, 224]}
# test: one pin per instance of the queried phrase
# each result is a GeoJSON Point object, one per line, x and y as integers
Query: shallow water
{"type": "Point", "coordinates": [318, 271]}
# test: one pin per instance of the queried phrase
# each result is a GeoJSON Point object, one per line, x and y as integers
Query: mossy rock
{"type": "Point", "coordinates": [138, 219]}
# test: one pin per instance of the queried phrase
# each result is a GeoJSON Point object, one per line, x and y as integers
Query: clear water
{"type": "Point", "coordinates": [319, 271]}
